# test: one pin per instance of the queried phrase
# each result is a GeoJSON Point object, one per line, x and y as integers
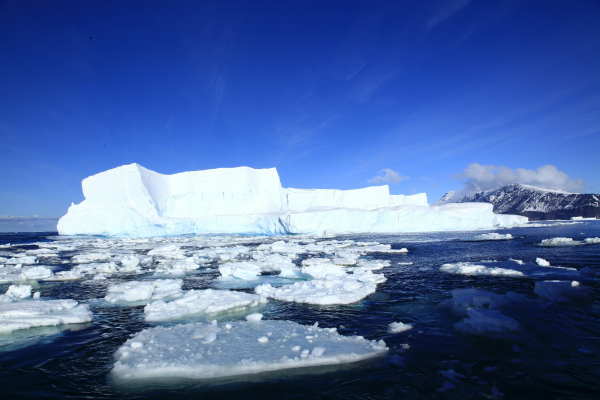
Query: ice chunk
{"type": "Point", "coordinates": [515, 268]}
{"type": "Point", "coordinates": [488, 236]}
{"type": "Point", "coordinates": [563, 291]}
{"type": "Point", "coordinates": [130, 291]}
{"type": "Point", "coordinates": [592, 240]}
{"type": "Point", "coordinates": [241, 270]}
{"type": "Point", "coordinates": [27, 314]}
{"type": "Point", "coordinates": [144, 290]}
{"type": "Point", "coordinates": [16, 292]}
{"type": "Point", "coordinates": [130, 263]}
{"type": "Point", "coordinates": [397, 327]}
{"type": "Point", "coordinates": [320, 271]}
{"type": "Point", "coordinates": [541, 262]}
{"type": "Point", "coordinates": [467, 268]}
{"type": "Point", "coordinates": [36, 273]}
{"type": "Point", "coordinates": [560, 241]}
{"type": "Point", "coordinates": [488, 323]}
{"type": "Point", "coordinates": [177, 351]}
{"type": "Point", "coordinates": [464, 299]}
{"type": "Point", "coordinates": [254, 317]}
{"type": "Point", "coordinates": [331, 290]}
{"type": "Point", "coordinates": [195, 302]}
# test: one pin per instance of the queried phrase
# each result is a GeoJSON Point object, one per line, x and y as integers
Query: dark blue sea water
{"type": "Point", "coordinates": [74, 361]}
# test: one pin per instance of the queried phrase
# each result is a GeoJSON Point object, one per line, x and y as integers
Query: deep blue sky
{"type": "Point", "coordinates": [328, 92]}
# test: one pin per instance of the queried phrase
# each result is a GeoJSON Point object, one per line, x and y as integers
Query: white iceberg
{"type": "Point", "coordinates": [133, 201]}
{"type": "Point", "coordinates": [201, 351]}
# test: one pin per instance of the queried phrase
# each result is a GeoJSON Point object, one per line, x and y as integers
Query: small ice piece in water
{"type": "Point", "coordinates": [254, 317]}
{"type": "Point", "coordinates": [452, 375]}
{"type": "Point", "coordinates": [559, 241]}
{"type": "Point", "coordinates": [320, 271]}
{"type": "Point", "coordinates": [563, 291]}
{"type": "Point", "coordinates": [496, 393]}
{"type": "Point", "coordinates": [241, 270]}
{"type": "Point", "coordinates": [194, 302]}
{"type": "Point", "coordinates": [490, 369]}
{"type": "Point", "coordinates": [490, 323]}
{"type": "Point", "coordinates": [397, 327]}
{"type": "Point", "coordinates": [18, 292]}
{"type": "Point", "coordinates": [488, 236]}
{"type": "Point", "coordinates": [36, 273]}
{"type": "Point", "coordinates": [331, 290]}
{"type": "Point", "coordinates": [176, 352]}
{"type": "Point", "coordinates": [130, 263]}
{"type": "Point", "coordinates": [592, 240]}
{"type": "Point", "coordinates": [28, 314]}
{"type": "Point", "coordinates": [541, 262]}
{"type": "Point", "coordinates": [263, 339]}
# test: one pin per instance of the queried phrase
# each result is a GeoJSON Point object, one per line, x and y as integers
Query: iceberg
{"type": "Point", "coordinates": [133, 201]}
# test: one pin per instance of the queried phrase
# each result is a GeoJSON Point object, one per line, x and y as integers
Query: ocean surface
{"type": "Point", "coordinates": [558, 358]}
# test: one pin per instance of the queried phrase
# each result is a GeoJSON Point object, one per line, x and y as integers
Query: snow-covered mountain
{"type": "Point", "coordinates": [537, 203]}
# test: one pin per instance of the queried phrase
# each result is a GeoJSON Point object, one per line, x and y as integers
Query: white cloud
{"type": "Point", "coordinates": [477, 178]}
{"type": "Point", "coordinates": [388, 176]}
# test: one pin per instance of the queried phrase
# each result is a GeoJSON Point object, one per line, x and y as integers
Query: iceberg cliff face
{"type": "Point", "coordinates": [134, 201]}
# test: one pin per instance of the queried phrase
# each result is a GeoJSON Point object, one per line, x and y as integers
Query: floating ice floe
{"type": "Point", "coordinates": [332, 289]}
{"type": "Point", "coordinates": [398, 327]}
{"type": "Point", "coordinates": [133, 291]}
{"type": "Point", "coordinates": [482, 315]}
{"type": "Point", "coordinates": [591, 240]}
{"type": "Point", "coordinates": [560, 241]}
{"type": "Point", "coordinates": [321, 271]}
{"type": "Point", "coordinates": [195, 302]}
{"type": "Point", "coordinates": [18, 272]}
{"type": "Point", "coordinates": [19, 260]}
{"type": "Point", "coordinates": [563, 291]}
{"type": "Point", "coordinates": [464, 299]}
{"type": "Point", "coordinates": [490, 323]}
{"type": "Point", "coordinates": [488, 236]}
{"type": "Point", "coordinates": [515, 268]}
{"type": "Point", "coordinates": [241, 270]}
{"type": "Point", "coordinates": [16, 292]}
{"type": "Point", "coordinates": [27, 314]}
{"type": "Point", "coordinates": [201, 350]}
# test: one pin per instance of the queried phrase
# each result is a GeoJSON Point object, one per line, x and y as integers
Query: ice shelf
{"type": "Point", "coordinates": [133, 201]}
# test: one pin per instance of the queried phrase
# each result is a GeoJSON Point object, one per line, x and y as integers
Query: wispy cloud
{"type": "Point", "coordinates": [388, 176]}
{"type": "Point", "coordinates": [446, 12]}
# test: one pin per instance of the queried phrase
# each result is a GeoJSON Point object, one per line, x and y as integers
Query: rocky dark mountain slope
{"type": "Point", "coordinates": [537, 203]}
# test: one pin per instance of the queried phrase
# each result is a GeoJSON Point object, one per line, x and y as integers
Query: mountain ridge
{"type": "Point", "coordinates": [536, 203]}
